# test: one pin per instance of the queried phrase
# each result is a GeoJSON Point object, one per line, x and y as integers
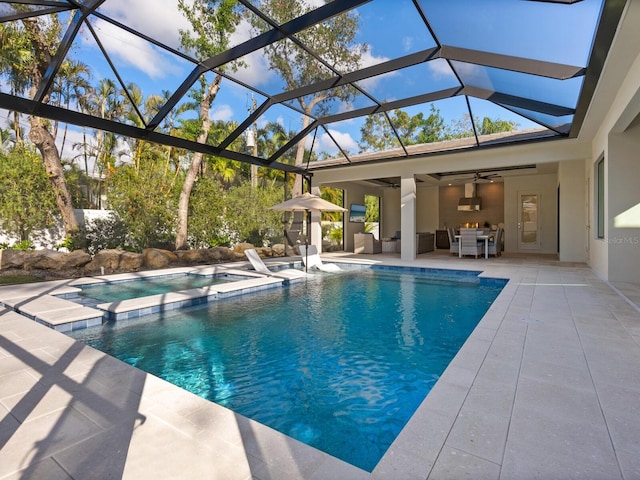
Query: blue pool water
{"type": "Point", "coordinates": [339, 363]}
{"type": "Point", "coordinates": [142, 287]}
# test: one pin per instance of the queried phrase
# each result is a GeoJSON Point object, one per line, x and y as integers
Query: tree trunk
{"type": "Point", "coordinates": [298, 186]}
{"type": "Point", "coordinates": [194, 168]}
{"type": "Point", "coordinates": [45, 142]}
{"type": "Point", "coordinates": [183, 201]}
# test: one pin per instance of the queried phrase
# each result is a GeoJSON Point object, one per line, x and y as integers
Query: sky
{"type": "Point", "coordinates": [389, 28]}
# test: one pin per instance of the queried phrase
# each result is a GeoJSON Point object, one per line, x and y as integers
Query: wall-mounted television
{"type": "Point", "coordinates": [357, 213]}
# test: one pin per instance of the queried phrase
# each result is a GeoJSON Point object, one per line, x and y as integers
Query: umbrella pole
{"type": "Point", "coordinates": [306, 242]}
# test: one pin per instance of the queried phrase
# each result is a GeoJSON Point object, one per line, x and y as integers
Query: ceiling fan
{"type": "Point", "coordinates": [486, 177]}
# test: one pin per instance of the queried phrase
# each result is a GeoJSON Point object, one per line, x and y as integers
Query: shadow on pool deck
{"type": "Point", "coordinates": [72, 414]}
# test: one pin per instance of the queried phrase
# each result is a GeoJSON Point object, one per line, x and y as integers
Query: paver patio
{"type": "Point", "coordinates": [547, 386]}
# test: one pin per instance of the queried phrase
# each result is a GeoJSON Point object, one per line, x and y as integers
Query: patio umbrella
{"type": "Point", "coordinates": [306, 203]}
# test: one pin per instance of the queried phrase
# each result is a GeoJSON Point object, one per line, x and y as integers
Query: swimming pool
{"type": "Point", "coordinates": [124, 290]}
{"type": "Point", "coordinates": [340, 363]}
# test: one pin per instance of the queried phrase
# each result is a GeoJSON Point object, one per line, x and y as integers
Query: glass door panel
{"type": "Point", "coordinates": [528, 221]}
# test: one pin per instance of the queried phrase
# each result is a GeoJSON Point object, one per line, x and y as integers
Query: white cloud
{"type": "Point", "coordinates": [407, 43]}
{"type": "Point", "coordinates": [439, 68]}
{"type": "Point", "coordinates": [222, 113]}
{"type": "Point", "coordinates": [134, 52]}
{"type": "Point", "coordinates": [368, 59]}
{"type": "Point", "coordinates": [256, 71]}
{"type": "Point", "coordinates": [326, 144]}
{"type": "Point", "coordinates": [159, 19]}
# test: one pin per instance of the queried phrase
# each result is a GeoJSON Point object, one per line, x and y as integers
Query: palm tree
{"type": "Point", "coordinates": [105, 102]}
{"type": "Point", "coordinates": [71, 85]}
{"type": "Point", "coordinates": [17, 56]}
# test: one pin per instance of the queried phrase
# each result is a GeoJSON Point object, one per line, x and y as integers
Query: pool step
{"type": "Point", "coordinates": [136, 307]}
{"type": "Point", "coordinates": [55, 312]}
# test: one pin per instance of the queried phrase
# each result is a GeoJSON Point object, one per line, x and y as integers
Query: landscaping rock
{"type": "Point", "coordinates": [74, 259]}
{"type": "Point", "coordinates": [10, 258]}
{"type": "Point", "coordinates": [193, 256]}
{"type": "Point", "coordinates": [158, 258]}
{"type": "Point", "coordinates": [264, 251]}
{"type": "Point", "coordinates": [108, 259]}
{"type": "Point", "coordinates": [45, 259]}
{"type": "Point", "coordinates": [52, 264]}
{"type": "Point", "coordinates": [130, 261]}
{"type": "Point", "coordinates": [241, 247]}
{"type": "Point", "coordinates": [221, 254]}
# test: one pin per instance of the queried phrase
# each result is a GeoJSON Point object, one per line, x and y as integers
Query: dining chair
{"type": "Point", "coordinates": [454, 244]}
{"type": "Point", "coordinates": [469, 244]}
{"type": "Point", "coordinates": [495, 245]}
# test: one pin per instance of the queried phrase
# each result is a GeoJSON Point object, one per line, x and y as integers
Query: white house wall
{"type": "Point", "coordinates": [427, 200]}
{"type": "Point", "coordinates": [623, 206]}
{"type": "Point", "coordinates": [572, 211]}
{"type": "Point", "coordinates": [390, 212]}
{"type": "Point", "coordinates": [616, 107]}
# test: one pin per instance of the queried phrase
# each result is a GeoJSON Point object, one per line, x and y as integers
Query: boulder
{"type": "Point", "coordinates": [75, 259]}
{"type": "Point", "coordinates": [221, 254]}
{"type": "Point", "coordinates": [158, 258]}
{"type": "Point", "coordinates": [10, 258]}
{"type": "Point", "coordinates": [193, 256]}
{"type": "Point", "coordinates": [264, 252]}
{"type": "Point", "coordinates": [45, 259]}
{"type": "Point", "coordinates": [130, 261]}
{"type": "Point", "coordinates": [108, 259]}
{"type": "Point", "coordinates": [241, 247]}
{"type": "Point", "coordinates": [278, 250]}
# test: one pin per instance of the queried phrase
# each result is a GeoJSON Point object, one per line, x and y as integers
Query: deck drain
{"type": "Point", "coordinates": [531, 320]}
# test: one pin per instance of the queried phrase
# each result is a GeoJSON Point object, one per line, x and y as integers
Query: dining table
{"type": "Point", "coordinates": [480, 235]}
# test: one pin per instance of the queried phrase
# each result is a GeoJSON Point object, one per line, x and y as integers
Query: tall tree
{"type": "Point", "coordinates": [212, 22]}
{"type": "Point", "coordinates": [16, 57]}
{"type": "Point", "coordinates": [105, 102]}
{"type": "Point", "coordinates": [41, 36]}
{"type": "Point", "coordinates": [377, 133]}
{"type": "Point", "coordinates": [333, 41]}
{"type": "Point", "coordinates": [71, 85]}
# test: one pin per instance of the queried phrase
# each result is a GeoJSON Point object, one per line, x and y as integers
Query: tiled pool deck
{"type": "Point", "coordinates": [547, 386]}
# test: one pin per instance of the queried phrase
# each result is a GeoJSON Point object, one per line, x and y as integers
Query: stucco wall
{"type": "Point", "coordinates": [623, 206]}
{"type": "Point", "coordinates": [427, 203]}
{"type": "Point", "coordinates": [573, 231]}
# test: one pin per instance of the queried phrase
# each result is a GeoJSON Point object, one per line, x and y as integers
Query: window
{"type": "Point", "coordinates": [600, 197]}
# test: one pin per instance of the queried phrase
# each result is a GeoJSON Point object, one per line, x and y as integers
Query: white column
{"type": "Point", "coordinates": [316, 224]}
{"type": "Point", "coordinates": [408, 218]}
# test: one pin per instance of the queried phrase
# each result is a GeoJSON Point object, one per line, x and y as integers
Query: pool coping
{"type": "Point", "coordinates": [431, 445]}
{"type": "Point", "coordinates": [52, 303]}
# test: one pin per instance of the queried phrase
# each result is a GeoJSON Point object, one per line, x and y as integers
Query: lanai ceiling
{"type": "Point", "coordinates": [533, 64]}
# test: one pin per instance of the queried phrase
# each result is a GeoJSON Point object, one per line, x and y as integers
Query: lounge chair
{"type": "Point", "coordinates": [259, 266]}
{"type": "Point", "coordinates": [311, 259]}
